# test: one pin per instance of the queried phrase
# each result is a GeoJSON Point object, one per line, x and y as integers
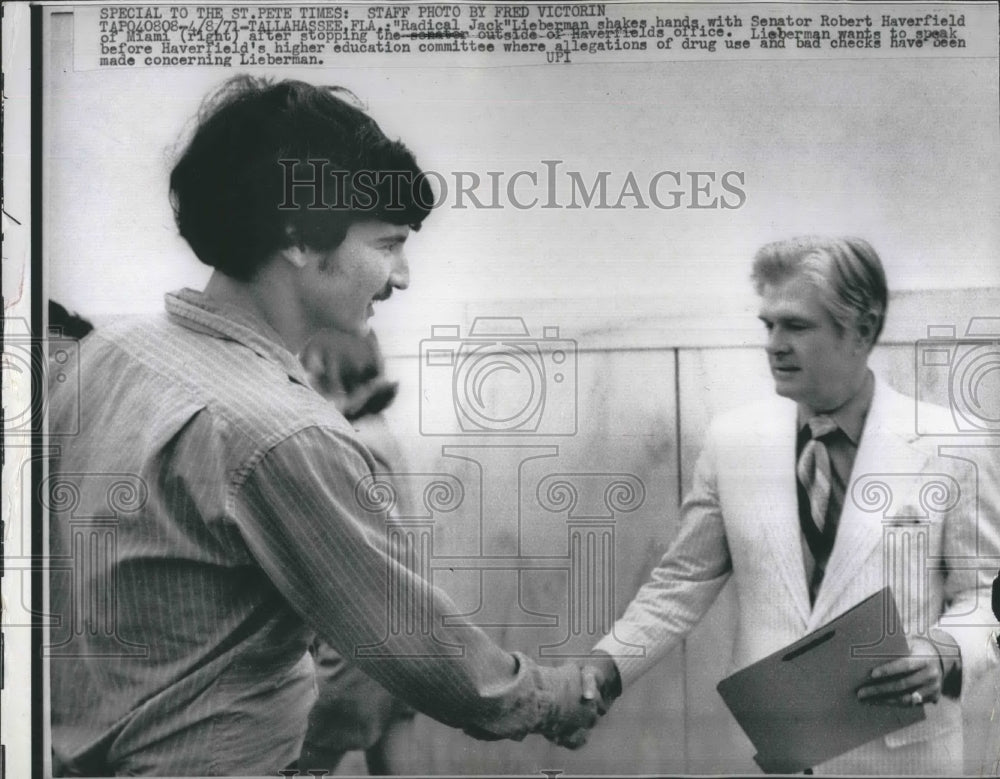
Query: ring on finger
{"type": "Point", "coordinates": [916, 699]}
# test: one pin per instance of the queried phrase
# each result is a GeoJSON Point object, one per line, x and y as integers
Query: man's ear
{"type": "Point", "coordinates": [866, 330]}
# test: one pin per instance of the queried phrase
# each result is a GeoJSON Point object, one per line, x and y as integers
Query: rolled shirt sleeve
{"type": "Point", "coordinates": [299, 514]}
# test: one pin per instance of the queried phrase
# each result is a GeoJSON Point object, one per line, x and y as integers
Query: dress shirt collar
{"type": "Point", "coordinates": [850, 417]}
{"type": "Point", "coordinates": [196, 311]}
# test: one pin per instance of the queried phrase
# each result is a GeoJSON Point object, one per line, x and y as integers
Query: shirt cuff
{"type": "Point", "coordinates": [950, 655]}
{"type": "Point", "coordinates": [611, 680]}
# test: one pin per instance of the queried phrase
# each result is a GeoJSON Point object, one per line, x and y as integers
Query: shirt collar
{"type": "Point", "coordinates": [196, 311]}
{"type": "Point", "coordinates": [850, 417]}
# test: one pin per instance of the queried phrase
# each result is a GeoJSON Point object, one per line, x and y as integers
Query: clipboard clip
{"type": "Point", "coordinates": [818, 641]}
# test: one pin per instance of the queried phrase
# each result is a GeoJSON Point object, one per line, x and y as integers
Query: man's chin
{"type": "Point", "coordinates": [785, 389]}
{"type": "Point", "coordinates": [361, 328]}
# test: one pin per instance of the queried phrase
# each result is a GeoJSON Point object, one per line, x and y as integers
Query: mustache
{"type": "Point", "coordinates": [385, 294]}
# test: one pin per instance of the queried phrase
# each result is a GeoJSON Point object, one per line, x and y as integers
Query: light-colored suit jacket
{"type": "Point", "coordinates": [918, 515]}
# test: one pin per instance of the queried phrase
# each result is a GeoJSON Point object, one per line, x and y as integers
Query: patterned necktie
{"type": "Point", "coordinates": [813, 469]}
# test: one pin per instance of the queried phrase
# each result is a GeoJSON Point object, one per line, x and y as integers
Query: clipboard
{"type": "Point", "coordinates": [799, 705]}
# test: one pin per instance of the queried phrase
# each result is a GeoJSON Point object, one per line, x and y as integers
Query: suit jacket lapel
{"type": "Point", "coordinates": [882, 450]}
{"type": "Point", "coordinates": [777, 496]}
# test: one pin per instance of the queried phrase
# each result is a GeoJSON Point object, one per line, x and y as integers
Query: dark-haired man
{"type": "Point", "coordinates": [781, 502]}
{"type": "Point", "coordinates": [243, 534]}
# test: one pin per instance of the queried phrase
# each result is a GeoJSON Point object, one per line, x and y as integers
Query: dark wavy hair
{"type": "Point", "coordinates": [228, 187]}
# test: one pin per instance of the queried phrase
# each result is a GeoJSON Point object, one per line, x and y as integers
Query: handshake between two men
{"type": "Point", "coordinates": [574, 696]}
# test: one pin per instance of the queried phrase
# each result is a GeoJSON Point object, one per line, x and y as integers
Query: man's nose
{"type": "Point", "coordinates": [399, 277]}
{"type": "Point", "coordinates": [776, 343]}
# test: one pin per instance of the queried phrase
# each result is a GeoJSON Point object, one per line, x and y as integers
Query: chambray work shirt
{"type": "Point", "coordinates": [204, 522]}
